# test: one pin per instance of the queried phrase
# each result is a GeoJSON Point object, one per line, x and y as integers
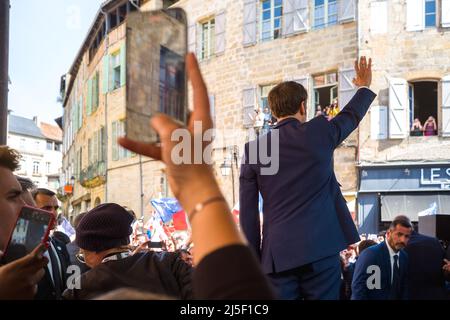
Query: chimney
{"type": "Point", "coordinates": [35, 120]}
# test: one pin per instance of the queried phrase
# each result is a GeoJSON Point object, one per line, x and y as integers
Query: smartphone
{"type": "Point", "coordinates": [32, 228]}
{"type": "Point", "coordinates": [156, 47]}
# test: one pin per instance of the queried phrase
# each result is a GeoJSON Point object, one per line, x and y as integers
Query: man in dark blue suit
{"type": "Point", "coordinates": [306, 219]}
{"type": "Point", "coordinates": [381, 271]}
{"type": "Point", "coordinates": [426, 275]}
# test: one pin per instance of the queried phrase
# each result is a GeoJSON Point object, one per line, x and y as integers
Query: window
{"type": "Point", "coordinates": [208, 39]}
{"type": "Point", "coordinates": [118, 130]}
{"type": "Point", "coordinates": [49, 145]}
{"type": "Point", "coordinates": [95, 92]}
{"type": "Point", "coordinates": [96, 147]}
{"type": "Point", "coordinates": [325, 13]}
{"type": "Point", "coordinates": [325, 93]}
{"type": "Point", "coordinates": [423, 108]}
{"type": "Point", "coordinates": [271, 12]}
{"type": "Point", "coordinates": [430, 13]}
{"type": "Point", "coordinates": [47, 167]}
{"type": "Point", "coordinates": [115, 64]}
{"type": "Point", "coordinates": [57, 146]}
{"type": "Point", "coordinates": [36, 165]}
{"type": "Point", "coordinates": [264, 94]}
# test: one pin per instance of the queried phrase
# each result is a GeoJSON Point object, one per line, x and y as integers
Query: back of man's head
{"type": "Point", "coordinates": [286, 98]}
{"type": "Point", "coordinates": [78, 218]}
{"type": "Point", "coordinates": [9, 158]}
{"type": "Point", "coordinates": [43, 191]}
{"type": "Point", "coordinates": [363, 245]}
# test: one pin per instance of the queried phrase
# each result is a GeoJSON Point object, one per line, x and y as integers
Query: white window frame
{"type": "Point", "coordinates": [36, 167]}
{"type": "Point", "coordinates": [209, 51]}
{"type": "Point", "coordinates": [326, 15]}
{"type": "Point", "coordinates": [115, 63]}
{"type": "Point", "coordinates": [272, 21]}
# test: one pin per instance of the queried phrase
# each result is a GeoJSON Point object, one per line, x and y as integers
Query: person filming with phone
{"type": "Point", "coordinates": [18, 279]}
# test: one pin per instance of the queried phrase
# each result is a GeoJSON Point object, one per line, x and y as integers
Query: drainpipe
{"type": "Point", "coordinates": [106, 108]}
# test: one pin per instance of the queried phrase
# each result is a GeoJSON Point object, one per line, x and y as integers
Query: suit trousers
{"type": "Point", "coordinates": [320, 280]}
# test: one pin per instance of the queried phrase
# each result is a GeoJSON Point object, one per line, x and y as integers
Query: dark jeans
{"type": "Point", "coordinates": [320, 280]}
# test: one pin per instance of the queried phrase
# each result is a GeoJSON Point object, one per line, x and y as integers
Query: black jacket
{"type": "Point", "coordinates": [155, 272]}
{"type": "Point", "coordinates": [46, 288]}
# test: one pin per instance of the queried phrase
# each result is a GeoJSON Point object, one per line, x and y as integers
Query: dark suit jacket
{"type": "Point", "coordinates": [306, 217]}
{"type": "Point", "coordinates": [155, 272]}
{"type": "Point", "coordinates": [426, 277]}
{"type": "Point", "coordinates": [46, 289]}
{"type": "Point", "coordinates": [378, 256]}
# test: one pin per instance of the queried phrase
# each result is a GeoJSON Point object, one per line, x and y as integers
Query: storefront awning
{"type": "Point", "coordinates": [411, 205]}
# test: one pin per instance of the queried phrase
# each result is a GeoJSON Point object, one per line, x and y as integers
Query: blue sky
{"type": "Point", "coordinates": [45, 36]}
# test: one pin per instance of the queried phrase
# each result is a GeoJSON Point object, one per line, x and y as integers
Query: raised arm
{"type": "Point", "coordinates": [348, 119]}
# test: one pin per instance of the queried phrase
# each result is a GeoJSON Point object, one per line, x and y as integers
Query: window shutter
{"type": "Point", "coordinates": [220, 32]}
{"type": "Point", "coordinates": [445, 13]}
{"type": "Point", "coordinates": [123, 64]}
{"type": "Point", "coordinates": [378, 122]}
{"type": "Point", "coordinates": [105, 74]}
{"type": "Point", "coordinates": [378, 17]}
{"type": "Point", "coordinates": [89, 98]}
{"type": "Point", "coordinates": [191, 38]}
{"type": "Point", "coordinates": [250, 7]}
{"type": "Point", "coordinates": [346, 87]}
{"type": "Point", "coordinates": [398, 108]}
{"type": "Point", "coordinates": [115, 153]}
{"type": "Point", "coordinates": [446, 106]}
{"type": "Point", "coordinates": [248, 107]}
{"type": "Point", "coordinates": [212, 107]}
{"type": "Point", "coordinates": [295, 16]}
{"type": "Point", "coordinates": [347, 10]}
{"type": "Point", "coordinates": [80, 112]}
{"type": "Point", "coordinates": [415, 15]}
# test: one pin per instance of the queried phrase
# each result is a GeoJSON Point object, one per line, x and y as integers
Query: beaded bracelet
{"type": "Point", "coordinates": [200, 206]}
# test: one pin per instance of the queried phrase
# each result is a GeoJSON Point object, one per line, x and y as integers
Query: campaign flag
{"type": "Point", "coordinates": [180, 220]}
{"type": "Point", "coordinates": [65, 227]}
{"type": "Point", "coordinates": [166, 208]}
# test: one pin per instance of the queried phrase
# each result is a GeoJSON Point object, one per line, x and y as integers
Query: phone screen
{"type": "Point", "coordinates": [29, 232]}
{"type": "Point", "coordinates": [156, 70]}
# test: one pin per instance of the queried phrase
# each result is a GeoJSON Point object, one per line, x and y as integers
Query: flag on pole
{"type": "Point", "coordinates": [166, 208]}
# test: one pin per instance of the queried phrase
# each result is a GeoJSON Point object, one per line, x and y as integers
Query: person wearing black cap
{"type": "Point", "coordinates": [103, 237]}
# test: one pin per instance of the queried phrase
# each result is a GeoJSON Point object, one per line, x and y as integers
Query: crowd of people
{"type": "Point", "coordinates": [329, 111]}
{"type": "Point", "coordinates": [298, 254]}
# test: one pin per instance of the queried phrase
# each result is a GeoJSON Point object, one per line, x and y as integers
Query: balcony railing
{"type": "Point", "coordinates": [94, 175]}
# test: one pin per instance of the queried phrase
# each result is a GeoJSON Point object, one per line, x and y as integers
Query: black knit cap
{"type": "Point", "coordinates": [105, 227]}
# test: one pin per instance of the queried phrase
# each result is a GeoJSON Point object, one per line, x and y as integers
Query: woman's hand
{"type": "Point", "coordinates": [191, 183]}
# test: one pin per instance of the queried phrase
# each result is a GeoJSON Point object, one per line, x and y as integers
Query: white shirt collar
{"type": "Point", "coordinates": [392, 253]}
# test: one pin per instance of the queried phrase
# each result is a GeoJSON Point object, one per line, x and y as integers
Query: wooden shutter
{"type": "Point", "coordinates": [398, 108]}
{"type": "Point", "coordinates": [115, 151]}
{"type": "Point", "coordinates": [248, 107]}
{"type": "Point", "coordinates": [220, 32]}
{"type": "Point", "coordinates": [347, 10]}
{"type": "Point", "coordinates": [346, 87]}
{"type": "Point", "coordinates": [378, 122]}
{"type": "Point", "coordinates": [415, 15]}
{"type": "Point", "coordinates": [250, 7]}
{"type": "Point", "coordinates": [123, 64]}
{"type": "Point", "coordinates": [89, 98]}
{"type": "Point", "coordinates": [446, 106]}
{"type": "Point", "coordinates": [295, 16]}
{"type": "Point", "coordinates": [105, 74]}
{"type": "Point", "coordinates": [445, 13]}
{"type": "Point", "coordinates": [192, 38]}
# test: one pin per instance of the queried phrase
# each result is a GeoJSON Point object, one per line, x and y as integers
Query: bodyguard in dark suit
{"type": "Point", "coordinates": [381, 271]}
{"type": "Point", "coordinates": [53, 284]}
{"type": "Point", "coordinates": [306, 219]}
{"type": "Point", "coordinates": [426, 276]}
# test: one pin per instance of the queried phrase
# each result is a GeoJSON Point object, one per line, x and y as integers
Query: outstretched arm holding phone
{"type": "Point", "coordinates": [226, 268]}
